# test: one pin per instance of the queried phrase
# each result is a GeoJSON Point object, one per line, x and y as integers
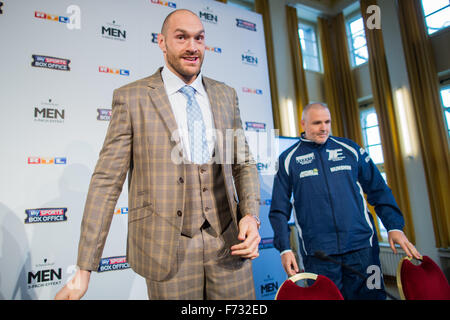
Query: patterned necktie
{"type": "Point", "coordinates": [196, 127]}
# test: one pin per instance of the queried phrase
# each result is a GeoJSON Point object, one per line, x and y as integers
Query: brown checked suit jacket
{"type": "Point", "coordinates": [140, 141]}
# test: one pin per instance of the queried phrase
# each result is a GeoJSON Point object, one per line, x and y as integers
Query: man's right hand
{"type": "Point", "coordinates": [289, 263]}
{"type": "Point", "coordinates": [76, 287]}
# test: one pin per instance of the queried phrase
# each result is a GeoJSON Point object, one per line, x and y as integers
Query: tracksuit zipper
{"type": "Point", "coordinates": [329, 198]}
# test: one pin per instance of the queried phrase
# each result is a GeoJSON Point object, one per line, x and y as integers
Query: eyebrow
{"type": "Point", "coordinates": [184, 31]}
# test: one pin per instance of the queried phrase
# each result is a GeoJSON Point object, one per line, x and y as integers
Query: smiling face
{"type": "Point", "coordinates": [317, 124]}
{"type": "Point", "coordinates": [183, 43]}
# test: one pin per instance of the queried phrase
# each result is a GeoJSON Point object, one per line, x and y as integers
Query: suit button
{"type": "Point", "coordinates": [179, 213]}
{"type": "Point", "coordinates": [181, 180]}
{"type": "Point", "coordinates": [205, 189]}
{"type": "Point", "coordinates": [207, 209]}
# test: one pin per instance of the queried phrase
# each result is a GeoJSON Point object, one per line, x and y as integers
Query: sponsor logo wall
{"type": "Point", "coordinates": [59, 69]}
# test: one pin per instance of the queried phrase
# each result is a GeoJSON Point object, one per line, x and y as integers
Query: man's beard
{"type": "Point", "coordinates": [176, 63]}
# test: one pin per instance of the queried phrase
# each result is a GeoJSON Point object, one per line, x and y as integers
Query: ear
{"type": "Point", "coordinates": [303, 122]}
{"type": "Point", "coordinates": [161, 42]}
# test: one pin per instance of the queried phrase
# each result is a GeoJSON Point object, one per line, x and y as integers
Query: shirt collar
{"type": "Point", "coordinates": [173, 83]}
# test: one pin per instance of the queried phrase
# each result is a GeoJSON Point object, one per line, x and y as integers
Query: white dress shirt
{"type": "Point", "coordinates": [178, 102]}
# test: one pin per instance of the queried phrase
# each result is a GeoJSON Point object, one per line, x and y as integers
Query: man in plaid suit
{"type": "Point", "coordinates": [186, 235]}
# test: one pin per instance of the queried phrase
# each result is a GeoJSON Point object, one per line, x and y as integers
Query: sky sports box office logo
{"type": "Point", "coordinates": [255, 126]}
{"type": "Point", "coordinates": [50, 62]}
{"type": "Point", "coordinates": [240, 23]}
{"type": "Point", "coordinates": [113, 264]}
{"type": "Point", "coordinates": [45, 215]}
{"type": "Point", "coordinates": [104, 114]}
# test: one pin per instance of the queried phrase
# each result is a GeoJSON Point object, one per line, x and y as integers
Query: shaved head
{"type": "Point", "coordinates": [166, 22]}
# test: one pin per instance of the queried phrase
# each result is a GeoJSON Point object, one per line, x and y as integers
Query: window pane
{"type": "Point", "coordinates": [371, 120]}
{"type": "Point", "coordinates": [356, 26]}
{"type": "Point", "coordinates": [359, 40]}
{"type": "Point", "coordinates": [307, 32]}
{"type": "Point", "coordinates": [376, 153]}
{"type": "Point", "coordinates": [311, 63]}
{"type": "Point", "coordinates": [438, 20]}
{"type": "Point", "coordinates": [361, 56]}
{"type": "Point", "coordinates": [447, 117]}
{"type": "Point", "coordinates": [445, 94]}
{"type": "Point", "coordinates": [433, 5]}
{"type": "Point", "coordinates": [309, 48]}
{"type": "Point", "coordinates": [373, 136]}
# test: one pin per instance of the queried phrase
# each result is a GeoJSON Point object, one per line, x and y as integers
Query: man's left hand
{"type": "Point", "coordinates": [249, 234]}
{"type": "Point", "coordinates": [398, 237]}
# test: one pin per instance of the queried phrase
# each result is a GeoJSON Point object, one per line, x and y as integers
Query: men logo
{"type": "Point", "coordinates": [249, 58]}
{"type": "Point", "coordinates": [245, 24]}
{"type": "Point", "coordinates": [164, 3]}
{"type": "Point", "coordinates": [45, 215]}
{"type": "Point", "coordinates": [207, 15]}
{"type": "Point", "coordinates": [112, 31]}
{"type": "Point", "coordinates": [50, 63]}
{"type": "Point", "coordinates": [45, 275]}
{"type": "Point", "coordinates": [113, 264]}
{"type": "Point", "coordinates": [47, 160]}
{"type": "Point", "coordinates": [269, 287]}
{"type": "Point", "coordinates": [104, 114]}
{"type": "Point", "coordinates": [49, 112]}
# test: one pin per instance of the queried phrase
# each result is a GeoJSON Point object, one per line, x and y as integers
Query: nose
{"type": "Point", "coordinates": [191, 46]}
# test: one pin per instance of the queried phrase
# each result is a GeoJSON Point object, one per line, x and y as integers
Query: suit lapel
{"type": "Point", "coordinates": [161, 102]}
{"type": "Point", "coordinates": [217, 109]}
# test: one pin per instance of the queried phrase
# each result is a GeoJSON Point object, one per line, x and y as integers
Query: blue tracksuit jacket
{"type": "Point", "coordinates": [328, 183]}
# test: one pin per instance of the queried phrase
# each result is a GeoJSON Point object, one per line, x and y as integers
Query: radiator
{"type": "Point", "coordinates": [389, 260]}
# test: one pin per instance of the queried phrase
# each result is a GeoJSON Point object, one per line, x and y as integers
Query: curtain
{"type": "Point", "coordinates": [434, 141]}
{"type": "Point", "coordinates": [301, 91]}
{"type": "Point", "coordinates": [340, 90]}
{"type": "Point", "coordinates": [262, 7]}
{"type": "Point", "coordinates": [389, 131]}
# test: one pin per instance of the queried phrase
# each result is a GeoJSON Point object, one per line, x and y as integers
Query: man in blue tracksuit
{"type": "Point", "coordinates": [328, 177]}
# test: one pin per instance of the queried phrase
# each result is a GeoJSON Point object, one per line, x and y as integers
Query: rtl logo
{"type": "Point", "coordinates": [121, 72]}
{"type": "Point", "coordinates": [47, 160]}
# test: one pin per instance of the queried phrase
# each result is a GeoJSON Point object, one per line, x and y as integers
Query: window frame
{"type": "Point", "coordinates": [444, 107]}
{"type": "Point", "coordinates": [364, 110]}
{"type": "Point", "coordinates": [316, 44]}
{"type": "Point", "coordinates": [349, 20]}
{"type": "Point", "coordinates": [425, 16]}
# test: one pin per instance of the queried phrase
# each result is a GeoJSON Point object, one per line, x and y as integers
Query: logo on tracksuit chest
{"type": "Point", "coordinates": [335, 155]}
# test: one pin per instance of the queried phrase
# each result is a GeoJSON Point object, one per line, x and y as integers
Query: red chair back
{"type": "Point", "coordinates": [322, 289]}
{"type": "Point", "coordinates": [422, 282]}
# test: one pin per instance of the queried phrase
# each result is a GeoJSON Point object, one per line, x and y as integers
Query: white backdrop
{"type": "Point", "coordinates": [54, 119]}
